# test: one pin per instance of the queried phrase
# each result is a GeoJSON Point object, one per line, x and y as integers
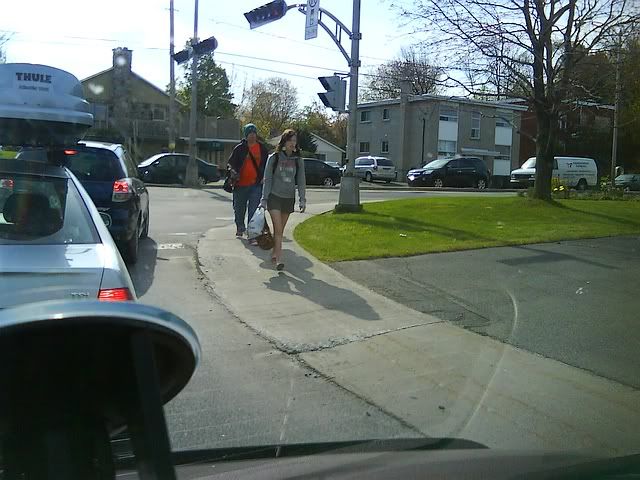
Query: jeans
{"type": "Point", "coordinates": [242, 196]}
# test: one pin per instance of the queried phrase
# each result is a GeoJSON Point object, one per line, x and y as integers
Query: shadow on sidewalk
{"type": "Point", "coordinates": [299, 280]}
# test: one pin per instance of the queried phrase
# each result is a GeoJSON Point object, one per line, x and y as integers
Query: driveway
{"type": "Point", "coordinates": [577, 302]}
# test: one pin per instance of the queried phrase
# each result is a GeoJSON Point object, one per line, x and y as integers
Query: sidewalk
{"type": "Point", "coordinates": [439, 378]}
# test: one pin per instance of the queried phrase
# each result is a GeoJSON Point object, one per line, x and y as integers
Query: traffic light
{"type": "Point", "coordinates": [182, 56]}
{"type": "Point", "coordinates": [336, 93]}
{"type": "Point", "coordinates": [205, 46]}
{"type": "Point", "coordinates": [270, 12]}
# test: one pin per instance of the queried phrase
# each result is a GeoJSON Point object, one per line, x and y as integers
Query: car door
{"type": "Point", "coordinates": [312, 172]}
{"type": "Point", "coordinates": [453, 173]}
{"type": "Point", "coordinates": [163, 169]}
{"type": "Point", "coordinates": [468, 172]}
{"type": "Point", "coordinates": [139, 187]}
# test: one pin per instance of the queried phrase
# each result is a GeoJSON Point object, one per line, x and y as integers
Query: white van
{"type": "Point", "coordinates": [576, 172]}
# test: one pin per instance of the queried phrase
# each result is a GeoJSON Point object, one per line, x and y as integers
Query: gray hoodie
{"type": "Point", "coordinates": [282, 182]}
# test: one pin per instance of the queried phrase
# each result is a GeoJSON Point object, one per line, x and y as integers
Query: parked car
{"type": "Point", "coordinates": [376, 168]}
{"type": "Point", "coordinates": [172, 168]}
{"type": "Point", "coordinates": [333, 164]}
{"type": "Point", "coordinates": [110, 177]}
{"type": "Point", "coordinates": [575, 172]}
{"type": "Point", "coordinates": [451, 172]}
{"type": "Point", "coordinates": [318, 172]}
{"type": "Point", "coordinates": [53, 241]}
{"type": "Point", "coordinates": [630, 182]}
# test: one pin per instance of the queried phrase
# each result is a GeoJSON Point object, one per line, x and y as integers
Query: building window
{"type": "Point", "coordinates": [503, 119]}
{"type": "Point", "coordinates": [365, 116]}
{"type": "Point", "coordinates": [446, 148]}
{"type": "Point", "coordinates": [159, 113]}
{"type": "Point", "coordinates": [448, 114]}
{"type": "Point", "coordinates": [385, 146]}
{"type": "Point", "coordinates": [364, 147]}
{"type": "Point", "coordinates": [505, 152]}
{"type": "Point", "coordinates": [475, 125]}
{"type": "Point", "coordinates": [385, 114]}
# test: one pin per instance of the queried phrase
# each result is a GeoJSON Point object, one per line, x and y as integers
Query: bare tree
{"type": "Point", "coordinates": [412, 64]}
{"type": "Point", "coordinates": [271, 105]}
{"type": "Point", "coordinates": [532, 45]}
{"type": "Point", "coordinates": [3, 40]}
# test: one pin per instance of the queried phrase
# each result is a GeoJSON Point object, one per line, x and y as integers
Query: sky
{"type": "Point", "coordinates": [70, 35]}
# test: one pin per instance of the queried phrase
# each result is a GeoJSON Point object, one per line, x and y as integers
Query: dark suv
{"type": "Point", "coordinates": [451, 172]}
{"type": "Point", "coordinates": [110, 177]}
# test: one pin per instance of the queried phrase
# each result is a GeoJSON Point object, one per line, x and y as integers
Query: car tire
{"type": "Point", "coordinates": [387, 181]}
{"type": "Point", "coordinates": [328, 182]}
{"type": "Point", "coordinates": [130, 252]}
{"type": "Point", "coordinates": [627, 188]}
{"type": "Point", "coordinates": [438, 183]}
{"type": "Point", "coordinates": [582, 185]}
{"type": "Point", "coordinates": [368, 177]}
{"type": "Point", "coordinates": [481, 184]}
{"type": "Point", "coordinates": [145, 230]}
{"type": "Point", "coordinates": [202, 181]}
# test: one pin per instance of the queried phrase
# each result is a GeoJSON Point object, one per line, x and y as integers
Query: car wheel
{"type": "Point", "coordinates": [328, 182]}
{"type": "Point", "coordinates": [387, 181]}
{"type": "Point", "coordinates": [131, 249]}
{"type": "Point", "coordinates": [582, 185]}
{"type": "Point", "coordinates": [201, 180]}
{"type": "Point", "coordinates": [438, 183]}
{"type": "Point", "coordinates": [145, 230]}
{"type": "Point", "coordinates": [627, 188]}
{"type": "Point", "coordinates": [481, 184]}
{"type": "Point", "coordinates": [368, 177]}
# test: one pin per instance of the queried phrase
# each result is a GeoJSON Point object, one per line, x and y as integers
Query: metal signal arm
{"type": "Point", "coordinates": [335, 34]}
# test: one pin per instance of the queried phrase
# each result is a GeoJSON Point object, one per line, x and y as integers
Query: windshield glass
{"type": "Point", "coordinates": [436, 285]}
{"type": "Point", "coordinates": [437, 163]}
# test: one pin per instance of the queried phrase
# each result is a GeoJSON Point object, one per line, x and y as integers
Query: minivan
{"type": "Point", "coordinates": [575, 172]}
{"type": "Point", "coordinates": [375, 168]}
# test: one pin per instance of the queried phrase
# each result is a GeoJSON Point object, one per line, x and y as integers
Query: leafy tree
{"type": "Point", "coordinates": [270, 104]}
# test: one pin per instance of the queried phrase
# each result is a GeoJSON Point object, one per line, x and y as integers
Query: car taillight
{"type": "Point", "coordinates": [6, 183]}
{"type": "Point", "coordinates": [122, 191]}
{"type": "Point", "coordinates": [70, 152]}
{"type": "Point", "coordinates": [114, 295]}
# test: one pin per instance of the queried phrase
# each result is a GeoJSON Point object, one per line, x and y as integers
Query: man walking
{"type": "Point", "coordinates": [246, 165]}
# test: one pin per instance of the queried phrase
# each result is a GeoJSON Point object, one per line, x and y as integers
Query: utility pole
{"type": "Point", "coordinates": [614, 146]}
{"type": "Point", "coordinates": [172, 82]}
{"type": "Point", "coordinates": [191, 177]}
{"type": "Point", "coordinates": [349, 199]}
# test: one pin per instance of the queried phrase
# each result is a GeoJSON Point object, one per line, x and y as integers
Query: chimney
{"type": "Point", "coordinates": [122, 58]}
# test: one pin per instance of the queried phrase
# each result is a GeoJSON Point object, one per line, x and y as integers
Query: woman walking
{"type": "Point", "coordinates": [284, 170]}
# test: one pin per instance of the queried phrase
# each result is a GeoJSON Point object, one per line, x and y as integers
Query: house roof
{"type": "Point", "coordinates": [327, 142]}
{"type": "Point", "coordinates": [137, 77]}
{"type": "Point", "coordinates": [503, 104]}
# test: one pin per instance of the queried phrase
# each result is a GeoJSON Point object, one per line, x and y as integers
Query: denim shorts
{"type": "Point", "coordinates": [285, 205]}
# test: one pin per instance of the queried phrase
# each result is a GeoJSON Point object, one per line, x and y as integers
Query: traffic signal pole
{"type": "Point", "coordinates": [349, 199]}
{"type": "Point", "coordinates": [191, 175]}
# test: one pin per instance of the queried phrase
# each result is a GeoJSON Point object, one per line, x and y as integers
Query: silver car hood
{"type": "Point", "coordinates": [31, 273]}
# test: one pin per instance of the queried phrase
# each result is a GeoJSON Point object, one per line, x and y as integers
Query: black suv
{"type": "Point", "coordinates": [451, 172]}
{"type": "Point", "coordinates": [172, 168]}
{"type": "Point", "coordinates": [110, 177]}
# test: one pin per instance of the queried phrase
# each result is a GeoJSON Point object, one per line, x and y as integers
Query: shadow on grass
{"type": "Point", "coordinates": [602, 216]}
{"type": "Point", "coordinates": [300, 280]}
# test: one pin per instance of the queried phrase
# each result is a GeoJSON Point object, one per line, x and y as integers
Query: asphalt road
{"type": "Point", "coordinates": [575, 301]}
{"type": "Point", "coordinates": [245, 392]}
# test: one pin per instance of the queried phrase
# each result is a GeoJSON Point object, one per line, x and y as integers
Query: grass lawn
{"type": "Point", "coordinates": [426, 225]}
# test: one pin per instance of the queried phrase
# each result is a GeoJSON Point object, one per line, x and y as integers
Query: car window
{"type": "Point", "coordinates": [180, 161]}
{"type": "Point", "coordinates": [385, 162]}
{"type": "Point", "coordinates": [468, 163]}
{"type": "Point", "coordinates": [94, 164]}
{"type": "Point", "coordinates": [531, 163]}
{"type": "Point", "coordinates": [132, 170]}
{"type": "Point", "coordinates": [364, 162]}
{"type": "Point", "coordinates": [43, 211]}
{"type": "Point", "coordinates": [311, 165]}
{"type": "Point", "coordinates": [457, 163]}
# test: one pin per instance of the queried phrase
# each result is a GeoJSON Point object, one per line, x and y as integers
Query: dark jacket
{"type": "Point", "coordinates": [239, 155]}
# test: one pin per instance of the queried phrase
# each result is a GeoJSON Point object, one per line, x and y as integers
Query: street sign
{"type": "Point", "coordinates": [313, 14]}
{"type": "Point", "coordinates": [182, 56]}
